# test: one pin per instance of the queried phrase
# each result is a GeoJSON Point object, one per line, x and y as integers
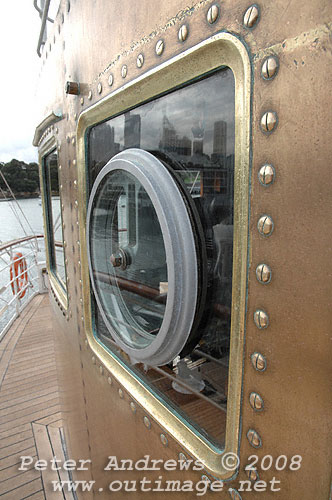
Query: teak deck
{"type": "Point", "coordinates": [30, 418]}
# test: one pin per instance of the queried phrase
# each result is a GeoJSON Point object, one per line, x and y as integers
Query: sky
{"type": "Point", "coordinates": [20, 64]}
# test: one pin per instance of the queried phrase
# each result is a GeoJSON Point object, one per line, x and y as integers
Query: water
{"type": "Point", "coordinates": [10, 227]}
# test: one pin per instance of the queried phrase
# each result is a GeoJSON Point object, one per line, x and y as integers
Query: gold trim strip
{"type": "Point", "coordinates": [222, 49]}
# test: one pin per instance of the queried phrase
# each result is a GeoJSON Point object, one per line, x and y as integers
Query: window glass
{"type": "Point", "coordinates": [191, 131]}
{"type": "Point", "coordinates": [54, 216]}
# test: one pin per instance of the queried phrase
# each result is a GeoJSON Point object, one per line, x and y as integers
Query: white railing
{"type": "Point", "coordinates": [18, 286]}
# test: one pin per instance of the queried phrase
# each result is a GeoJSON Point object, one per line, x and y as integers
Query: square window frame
{"type": "Point", "coordinates": [220, 50]}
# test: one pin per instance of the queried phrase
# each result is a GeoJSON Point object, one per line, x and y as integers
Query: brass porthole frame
{"type": "Point", "coordinates": [222, 49]}
{"type": "Point", "coordinates": [60, 290]}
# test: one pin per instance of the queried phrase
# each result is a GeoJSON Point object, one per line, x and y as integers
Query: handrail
{"type": "Point", "coordinates": [40, 12]}
{"type": "Point", "coordinates": [15, 299]}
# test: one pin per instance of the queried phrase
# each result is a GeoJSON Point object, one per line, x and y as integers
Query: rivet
{"type": "Point", "coordinates": [61, 186]}
{"type": "Point", "coordinates": [78, 243]}
{"type": "Point", "coordinates": [109, 380]}
{"type": "Point", "coordinates": [133, 407]}
{"type": "Point", "coordinates": [82, 101]}
{"type": "Point", "coordinates": [110, 80]}
{"type": "Point", "coordinates": [269, 121]}
{"type": "Point", "coordinates": [73, 141]}
{"type": "Point", "coordinates": [254, 438]}
{"type": "Point", "coordinates": [234, 494]}
{"type": "Point", "coordinates": [90, 95]}
{"type": "Point", "coordinates": [266, 175]}
{"type": "Point", "coordinates": [121, 395]}
{"type": "Point", "coordinates": [75, 116]}
{"type": "Point", "coordinates": [79, 263]}
{"type": "Point", "coordinates": [164, 439]}
{"type": "Point", "coordinates": [82, 319]}
{"type": "Point", "coordinates": [160, 47]}
{"type": "Point", "coordinates": [66, 261]}
{"type": "Point", "coordinates": [74, 162]}
{"type": "Point", "coordinates": [68, 5]}
{"type": "Point", "coordinates": [252, 474]}
{"type": "Point", "coordinates": [76, 203]}
{"type": "Point", "coordinates": [183, 33]}
{"type": "Point", "coordinates": [124, 71]}
{"type": "Point", "coordinates": [62, 207]}
{"type": "Point", "coordinates": [60, 167]}
{"type": "Point", "coordinates": [251, 17]}
{"type": "Point", "coordinates": [99, 88]}
{"type": "Point", "coordinates": [140, 60]}
{"type": "Point", "coordinates": [261, 319]}
{"type": "Point", "coordinates": [147, 422]}
{"type": "Point", "coordinates": [258, 361]}
{"type": "Point", "coordinates": [75, 183]}
{"type": "Point", "coordinates": [212, 14]}
{"type": "Point", "coordinates": [263, 274]}
{"type": "Point", "coordinates": [270, 67]}
{"type": "Point", "coordinates": [265, 225]}
{"type": "Point", "coordinates": [101, 369]}
{"type": "Point", "coordinates": [72, 88]}
{"type": "Point", "coordinates": [86, 342]}
{"type": "Point", "coordinates": [256, 401]}
{"type": "Point", "coordinates": [56, 130]}
{"type": "Point", "coordinates": [93, 359]}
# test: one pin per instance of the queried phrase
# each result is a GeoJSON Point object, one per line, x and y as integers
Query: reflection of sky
{"type": "Point", "coordinates": [192, 109]}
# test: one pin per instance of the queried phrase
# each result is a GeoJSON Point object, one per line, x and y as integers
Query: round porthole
{"type": "Point", "coordinates": [145, 265]}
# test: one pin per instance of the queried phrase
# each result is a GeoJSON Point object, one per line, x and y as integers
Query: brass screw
{"type": "Point", "coordinates": [147, 422]}
{"type": "Point", "coordinates": [256, 401]}
{"type": "Point", "coordinates": [263, 273]}
{"type": "Point", "coordinates": [270, 67]}
{"type": "Point", "coordinates": [261, 319]}
{"type": "Point", "coordinates": [90, 95]}
{"type": "Point", "coordinates": [164, 439]}
{"type": "Point", "coordinates": [121, 395]}
{"type": "Point", "coordinates": [183, 33]}
{"type": "Point", "coordinates": [252, 474]}
{"type": "Point", "coordinates": [124, 71]}
{"type": "Point", "coordinates": [234, 494]}
{"type": "Point", "coordinates": [101, 370]}
{"type": "Point", "coordinates": [254, 438]}
{"type": "Point", "coordinates": [265, 225]}
{"type": "Point", "coordinates": [109, 380]}
{"type": "Point", "coordinates": [140, 60]}
{"type": "Point", "coordinates": [251, 17]}
{"type": "Point", "coordinates": [82, 101]}
{"type": "Point", "coordinates": [133, 407]}
{"type": "Point", "coordinates": [99, 88]}
{"type": "Point", "coordinates": [160, 47]}
{"type": "Point", "coordinates": [266, 175]}
{"type": "Point", "coordinates": [258, 362]}
{"type": "Point", "coordinates": [93, 359]}
{"type": "Point", "coordinates": [269, 121]}
{"type": "Point", "coordinates": [110, 80]}
{"type": "Point", "coordinates": [212, 14]}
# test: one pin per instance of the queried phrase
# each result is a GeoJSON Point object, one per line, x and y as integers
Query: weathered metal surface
{"type": "Point", "coordinates": [91, 47]}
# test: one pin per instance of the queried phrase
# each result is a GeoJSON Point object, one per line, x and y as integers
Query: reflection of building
{"type": "Point", "coordinates": [219, 141]}
{"type": "Point", "coordinates": [170, 142]}
{"type": "Point", "coordinates": [132, 131]}
{"type": "Point", "coordinates": [103, 146]}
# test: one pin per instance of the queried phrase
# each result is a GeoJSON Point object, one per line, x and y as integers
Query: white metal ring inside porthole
{"type": "Point", "coordinates": [181, 255]}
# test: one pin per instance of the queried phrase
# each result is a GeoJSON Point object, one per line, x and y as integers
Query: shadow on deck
{"type": "Point", "coordinates": [30, 418]}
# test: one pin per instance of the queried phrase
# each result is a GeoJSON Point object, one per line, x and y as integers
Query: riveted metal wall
{"type": "Point", "coordinates": [286, 394]}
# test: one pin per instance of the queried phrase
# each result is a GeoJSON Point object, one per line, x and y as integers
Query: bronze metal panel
{"type": "Point", "coordinates": [295, 385]}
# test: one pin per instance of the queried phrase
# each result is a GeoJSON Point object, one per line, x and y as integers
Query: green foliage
{"type": "Point", "coordinates": [21, 177]}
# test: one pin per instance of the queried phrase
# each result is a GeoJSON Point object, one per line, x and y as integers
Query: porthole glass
{"type": "Point", "coordinates": [164, 172]}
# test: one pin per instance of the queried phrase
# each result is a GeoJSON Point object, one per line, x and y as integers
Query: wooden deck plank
{"type": "Point", "coordinates": [24, 491]}
{"type": "Point", "coordinates": [15, 459]}
{"type": "Point", "coordinates": [12, 449]}
{"type": "Point", "coordinates": [15, 438]}
{"type": "Point", "coordinates": [19, 480]}
{"type": "Point", "coordinates": [30, 417]}
{"type": "Point", "coordinates": [45, 452]}
{"type": "Point", "coordinates": [27, 397]}
{"type": "Point", "coordinates": [29, 402]}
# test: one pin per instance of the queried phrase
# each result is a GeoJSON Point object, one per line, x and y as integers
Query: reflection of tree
{"type": "Point", "coordinates": [22, 177]}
